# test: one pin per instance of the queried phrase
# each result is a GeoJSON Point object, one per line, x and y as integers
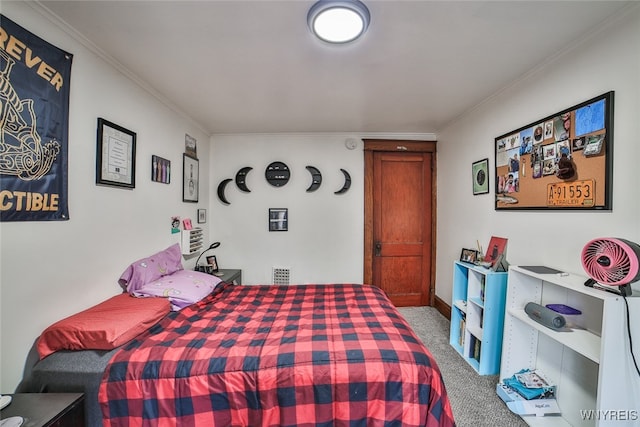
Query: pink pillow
{"type": "Point", "coordinates": [182, 288]}
{"type": "Point", "coordinates": [104, 326]}
{"type": "Point", "coordinates": [152, 268]}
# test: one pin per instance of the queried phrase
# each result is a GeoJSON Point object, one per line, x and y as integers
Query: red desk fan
{"type": "Point", "coordinates": [612, 263]}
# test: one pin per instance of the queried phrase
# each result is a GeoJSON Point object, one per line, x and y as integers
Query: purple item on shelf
{"type": "Point", "coordinates": [563, 309]}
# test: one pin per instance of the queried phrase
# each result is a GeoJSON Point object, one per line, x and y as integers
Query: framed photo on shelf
{"type": "Point", "coordinates": [115, 155]}
{"type": "Point", "coordinates": [202, 216]}
{"type": "Point", "coordinates": [213, 262]}
{"type": "Point", "coordinates": [496, 252]}
{"type": "Point", "coordinates": [189, 179]}
{"type": "Point", "coordinates": [469, 255]}
{"type": "Point", "coordinates": [480, 174]}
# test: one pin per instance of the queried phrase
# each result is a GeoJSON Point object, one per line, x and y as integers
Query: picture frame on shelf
{"type": "Point", "coordinates": [190, 174]}
{"type": "Point", "coordinates": [469, 256]}
{"type": "Point", "coordinates": [202, 216]}
{"type": "Point", "coordinates": [115, 155]}
{"type": "Point", "coordinates": [213, 262]}
{"type": "Point", "coordinates": [495, 257]}
{"type": "Point", "coordinates": [480, 175]}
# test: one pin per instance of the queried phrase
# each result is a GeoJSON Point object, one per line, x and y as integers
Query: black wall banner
{"type": "Point", "coordinates": [34, 117]}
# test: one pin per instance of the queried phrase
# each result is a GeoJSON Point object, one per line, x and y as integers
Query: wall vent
{"type": "Point", "coordinates": [281, 275]}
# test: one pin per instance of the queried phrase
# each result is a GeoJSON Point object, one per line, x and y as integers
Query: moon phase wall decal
{"type": "Point", "coordinates": [221, 188]}
{"type": "Point", "coordinates": [316, 178]}
{"type": "Point", "coordinates": [347, 183]}
{"type": "Point", "coordinates": [241, 179]}
{"type": "Point", "coordinates": [277, 174]}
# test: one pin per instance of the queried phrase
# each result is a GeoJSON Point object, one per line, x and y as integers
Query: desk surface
{"type": "Point", "coordinates": [229, 275]}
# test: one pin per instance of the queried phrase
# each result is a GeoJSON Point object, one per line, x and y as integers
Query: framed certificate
{"type": "Point", "coordinates": [115, 155]}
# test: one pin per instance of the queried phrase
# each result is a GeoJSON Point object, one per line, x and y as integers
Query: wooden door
{"type": "Point", "coordinates": [400, 219]}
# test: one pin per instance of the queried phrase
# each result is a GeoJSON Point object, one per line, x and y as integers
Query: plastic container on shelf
{"type": "Point", "coordinates": [572, 315]}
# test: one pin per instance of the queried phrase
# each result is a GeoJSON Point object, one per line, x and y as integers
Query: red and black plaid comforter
{"type": "Point", "coordinates": [313, 355]}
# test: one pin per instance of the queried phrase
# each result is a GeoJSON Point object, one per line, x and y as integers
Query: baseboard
{"type": "Point", "coordinates": [442, 307]}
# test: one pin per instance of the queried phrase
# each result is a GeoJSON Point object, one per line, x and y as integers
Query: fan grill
{"type": "Point", "coordinates": [608, 262]}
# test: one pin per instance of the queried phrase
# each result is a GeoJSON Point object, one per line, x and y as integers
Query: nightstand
{"type": "Point", "coordinates": [47, 409]}
{"type": "Point", "coordinates": [230, 275]}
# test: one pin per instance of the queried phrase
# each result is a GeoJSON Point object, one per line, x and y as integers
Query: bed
{"type": "Point", "coordinates": [306, 355]}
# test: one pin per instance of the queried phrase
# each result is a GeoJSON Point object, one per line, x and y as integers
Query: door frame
{"type": "Point", "coordinates": [396, 146]}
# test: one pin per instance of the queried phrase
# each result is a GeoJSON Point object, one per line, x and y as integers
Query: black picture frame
{"type": "Point", "coordinates": [213, 262]}
{"type": "Point", "coordinates": [190, 179]}
{"type": "Point", "coordinates": [160, 170]}
{"type": "Point", "coordinates": [480, 176]}
{"type": "Point", "coordinates": [469, 256]}
{"type": "Point", "coordinates": [278, 219]}
{"type": "Point", "coordinates": [115, 155]}
{"type": "Point", "coordinates": [202, 216]}
{"type": "Point", "coordinates": [562, 162]}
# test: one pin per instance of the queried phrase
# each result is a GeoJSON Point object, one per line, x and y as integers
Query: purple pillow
{"type": "Point", "coordinates": [152, 268]}
{"type": "Point", "coordinates": [181, 288]}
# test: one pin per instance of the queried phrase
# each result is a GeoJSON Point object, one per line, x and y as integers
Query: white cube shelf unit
{"type": "Point", "coordinates": [192, 241]}
{"type": "Point", "coordinates": [591, 364]}
{"type": "Point", "coordinates": [477, 316]}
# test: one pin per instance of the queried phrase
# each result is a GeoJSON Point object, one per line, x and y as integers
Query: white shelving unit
{"type": "Point", "coordinates": [591, 364]}
{"type": "Point", "coordinates": [477, 316]}
{"type": "Point", "coordinates": [192, 241]}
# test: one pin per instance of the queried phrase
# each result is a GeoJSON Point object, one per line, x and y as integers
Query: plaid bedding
{"type": "Point", "coordinates": [308, 355]}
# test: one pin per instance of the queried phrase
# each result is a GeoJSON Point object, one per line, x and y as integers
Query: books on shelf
{"type": "Point", "coordinates": [475, 346]}
{"type": "Point", "coordinates": [529, 392]}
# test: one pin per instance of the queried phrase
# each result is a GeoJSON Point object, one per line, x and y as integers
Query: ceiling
{"type": "Point", "coordinates": [253, 67]}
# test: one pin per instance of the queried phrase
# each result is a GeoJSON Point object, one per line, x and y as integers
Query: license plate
{"type": "Point", "coordinates": [571, 194]}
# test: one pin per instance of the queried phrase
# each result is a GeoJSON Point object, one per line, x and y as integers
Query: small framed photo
{"type": "Point", "coordinates": [186, 223]}
{"type": "Point", "coordinates": [190, 146]}
{"type": "Point", "coordinates": [160, 170]}
{"type": "Point", "coordinates": [189, 179]}
{"type": "Point", "coordinates": [115, 155]}
{"type": "Point", "coordinates": [213, 262]}
{"type": "Point", "coordinates": [480, 174]}
{"type": "Point", "coordinates": [202, 216]}
{"type": "Point", "coordinates": [278, 219]}
{"type": "Point", "coordinates": [469, 255]}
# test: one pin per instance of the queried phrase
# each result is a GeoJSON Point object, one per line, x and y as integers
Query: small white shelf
{"type": "Point", "coordinates": [591, 363]}
{"type": "Point", "coordinates": [192, 241]}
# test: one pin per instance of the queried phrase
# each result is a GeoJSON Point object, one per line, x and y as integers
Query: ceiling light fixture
{"type": "Point", "coordinates": [336, 21]}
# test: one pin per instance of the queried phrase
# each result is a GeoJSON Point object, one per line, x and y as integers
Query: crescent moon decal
{"type": "Point", "coordinates": [221, 188]}
{"type": "Point", "coordinates": [347, 183]}
{"type": "Point", "coordinates": [316, 178]}
{"type": "Point", "coordinates": [241, 179]}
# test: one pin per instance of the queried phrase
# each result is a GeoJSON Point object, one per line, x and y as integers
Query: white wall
{"type": "Point", "coordinates": [52, 269]}
{"type": "Point", "coordinates": [324, 241]}
{"type": "Point", "coordinates": [610, 60]}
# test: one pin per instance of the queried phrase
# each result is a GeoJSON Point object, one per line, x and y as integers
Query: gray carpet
{"type": "Point", "coordinates": [473, 397]}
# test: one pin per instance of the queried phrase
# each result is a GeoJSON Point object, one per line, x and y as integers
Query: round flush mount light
{"type": "Point", "coordinates": [337, 21]}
